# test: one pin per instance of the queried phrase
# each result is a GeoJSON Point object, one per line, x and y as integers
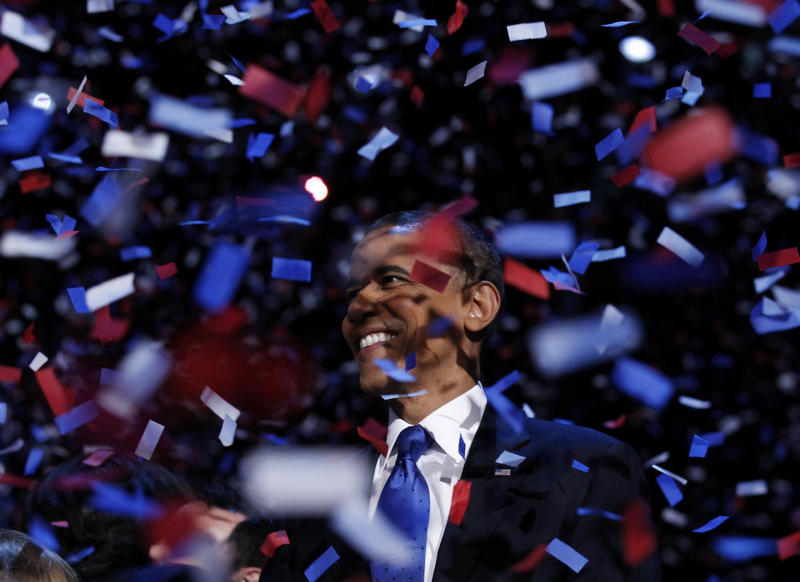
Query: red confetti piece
{"type": "Point", "coordinates": [325, 15]}
{"type": "Point", "coordinates": [702, 39]}
{"type": "Point", "coordinates": [792, 160]}
{"type": "Point", "coordinates": [9, 374]}
{"type": "Point", "coordinates": [564, 287]}
{"type": "Point", "coordinates": [638, 538]}
{"type": "Point", "coordinates": [626, 175]}
{"type": "Point", "coordinates": [318, 94]}
{"type": "Point", "coordinates": [530, 561]}
{"type": "Point", "coordinates": [267, 88]}
{"type": "Point", "coordinates": [457, 18]}
{"type": "Point", "coordinates": [97, 458]}
{"type": "Point", "coordinates": [53, 391]}
{"type": "Point", "coordinates": [8, 63]}
{"type": "Point", "coordinates": [460, 502]}
{"type": "Point", "coordinates": [68, 234]}
{"type": "Point", "coordinates": [27, 336]}
{"type": "Point", "coordinates": [459, 207]}
{"type": "Point", "coordinates": [166, 271]}
{"type": "Point", "coordinates": [108, 329]}
{"type": "Point", "coordinates": [34, 182]}
{"type": "Point", "coordinates": [789, 546]}
{"type": "Point", "coordinates": [617, 422]}
{"type": "Point", "coordinates": [430, 276]}
{"type": "Point", "coordinates": [684, 149]}
{"type": "Point", "coordinates": [532, 282]}
{"type": "Point", "coordinates": [242, 201]}
{"type": "Point", "coordinates": [666, 8]}
{"type": "Point", "coordinates": [646, 116]}
{"type": "Point", "coordinates": [561, 29]}
{"type": "Point", "coordinates": [778, 259]}
{"type": "Point", "coordinates": [83, 97]}
{"type": "Point", "coordinates": [417, 96]}
{"type": "Point", "coordinates": [274, 541]}
{"type": "Point", "coordinates": [375, 433]}
{"type": "Point", "coordinates": [64, 524]}
{"type": "Point", "coordinates": [14, 481]}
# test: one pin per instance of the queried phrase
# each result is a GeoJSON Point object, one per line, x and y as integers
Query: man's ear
{"type": "Point", "coordinates": [251, 574]}
{"type": "Point", "coordinates": [483, 303]}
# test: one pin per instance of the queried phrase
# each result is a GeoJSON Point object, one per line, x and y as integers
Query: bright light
{"type": "Point", "coordinates": [42, 101]}
{"type": "Point", "coordinates": [317, 188]}
{"type": "Point", "coordinates": [637, 49]}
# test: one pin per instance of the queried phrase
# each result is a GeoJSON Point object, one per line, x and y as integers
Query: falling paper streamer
{"type": "Point", "coordinates": [227, 432]}
{"type": "Point", "coordinates": [274, 541]}
{"type": "Point", "coordinates": [671, 240]}
{"type": "Point", "coordinates": [713, 524]}
{"type": "Point", "coordinates": [149, 440]}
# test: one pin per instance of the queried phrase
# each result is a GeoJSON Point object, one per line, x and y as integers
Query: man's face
{"type": "Point", "coordinates": [389, 313]}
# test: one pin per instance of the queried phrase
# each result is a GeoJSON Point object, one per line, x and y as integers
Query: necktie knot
{"type": "Point", "coordinates": [412, 442]}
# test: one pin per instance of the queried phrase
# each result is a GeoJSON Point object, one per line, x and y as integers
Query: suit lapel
{"type": "Point", "coordinates": [490, 498]}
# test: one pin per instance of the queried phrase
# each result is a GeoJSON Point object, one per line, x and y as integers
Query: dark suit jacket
{"type": "Point", "coordinates": [508, 516]}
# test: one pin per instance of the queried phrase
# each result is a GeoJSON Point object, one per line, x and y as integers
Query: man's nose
{"type": "Point", "coordinates": [365, 305]}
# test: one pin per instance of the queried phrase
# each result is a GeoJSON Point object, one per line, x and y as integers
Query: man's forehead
{"type": "Point", "coordinates": [385, 243]}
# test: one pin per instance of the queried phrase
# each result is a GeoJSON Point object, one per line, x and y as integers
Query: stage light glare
{"type": "Point", "coordinates": [317, 188]}
{"type": "Point", "coordinates": [637, 49]}
{"type": "Point", "coordinates": [42, 101]}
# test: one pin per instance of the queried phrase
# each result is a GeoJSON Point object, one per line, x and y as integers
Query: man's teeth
{"type": "Point", "coordinates": [375, 338]}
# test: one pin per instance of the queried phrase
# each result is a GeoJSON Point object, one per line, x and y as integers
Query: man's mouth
{"type": "Point", "coordinates": [374, 339]}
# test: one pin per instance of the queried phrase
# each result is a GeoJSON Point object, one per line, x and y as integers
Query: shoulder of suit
{"type": "Point", "coordinates": [556, 436]}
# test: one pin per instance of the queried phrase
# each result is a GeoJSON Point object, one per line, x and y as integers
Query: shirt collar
{"type": "Point", "coordinates": [448, 424]}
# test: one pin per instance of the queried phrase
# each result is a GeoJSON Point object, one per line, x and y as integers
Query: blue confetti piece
{"type": "Point", "coordinates": [702, 16]}
{"type": "Point", "coordinates": [431, 45]}
{"type": "Point", "coordinates": [713, 524]}
{"type": "Point", "coordinates": [25, 164]}
{"type": "Point", "coordinates": [164, 24]}
{"type": "Point", "coordinates": [762, 91]}
{"type": "Point", "coordinates": [758, 148]}
{"type": "Point", "coordinates": [641, 80]}
{"type": "Point", "coordinates": [472, 46]}
{"type": "Point", "coordinates": [674, 93]}
{"type": "Point", "coordinates": [513, 416]}
{"type": "Point", "coordinates": [286, 220]}
{"type": "Point", "coordinates": [363, 85]}
{"type": "Point", "coordinates": [297, 13]}
{"type": "Point", "coordinates": [78, 297]}
{"type": "Point", "coordinates": [390, 369]}
{"type": "Point", "coordinates": [104, 169]}
{"type": "Point", "coordinates": [642, 383]}
{"type": "Point", "coordinates": [108, 376]}
{"type": "Point", "coordinates": [257, 145]}
{"type": "Point", "coordinates": [416, 22]}
{"type": "Point", "coordinates": [238, 63]}
{"type": "Point", "coordinates": [633, 145]}
{"type": "Point", "coordinates": [542, 117]}
{"type": "Point", "coordinates": [763, 323]}
{"type": "Point", "coordinates": [582, 256]}
{"type": "Point", "coordinates": [116, 500]}
{"type": "Point", "coordinates": [67, 159]}
{"type": "Point", "coordinates": [655, 181]}
{"type": "Point", "coordinates": [100, 112]}
{"type": "Point", "coordinates": [4, 112]}
{"type": "Point", "coordinates": [213, 21]}
{"type": "Point", "coordinates": [275, 439]}
{"type": "Point", "coordinates": [319, 566]}
{"type": "Point", "coordinates": [3, 412]}
{"type": "Point", "coordinates": [761, 246]}
{"type": "Point", "coordinates": [132, 253]}
{"type": "Point", "coordinates": [411, 361]}
{"type": "Point", "coordinates": [33, 461]}
{"type": "Point", "coordinates": [609, 144]}
{"type": "Point", "coordinates": [552, 275]}
{"type": "Point", "coordinates": [563, 421]}
{"type": "Point", "coordinates": [566, 555]}
{"type": "Point", "coordinates": [109, 34]}
{"type": "Point", "coordinates": [54, 222]}
{"type": "Point", "coordinates": [713, 172]}
{"type": "Point", "coordinates": [43, 534]}
{"type": "Point", "coordinates": [504, 383]}
{"type": "Point", "coordinates": [619, 24]}
{"type": "Point", "coordinates": [291, 269]}
{"type": "Point", "coordinates": [77, 417]}
{"type": "Point", "coordinates": [699, 447]}
{"type": "Point", "coordinates": [80, 555]}
{"type": "Point", "coordinates": [592, 511]}
{"type": "Point", "coordinates": [462, 447]}
{"type": "Point", "coordinates": [743, 549]}
{"type": "Point", "coordinates": [237, 123]}
{"type": "Point", "coordinates": [670, 489]}
{"type": "Point", "coordinates": [220, 277]}
{"type": "Point", "coordinates": [67, 224]}
{"type": "Point", "coordinates": [438, 327]}
{"type": "Point", "coordinates": [580, 466]}
{"type": "Point", "coordinates": [714, 439]}
{"type": "Point", "coordinates": [784, 15]}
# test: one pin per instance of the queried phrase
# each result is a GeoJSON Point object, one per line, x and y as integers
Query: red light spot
{"type": "Point", "coordinates": [317, 188]}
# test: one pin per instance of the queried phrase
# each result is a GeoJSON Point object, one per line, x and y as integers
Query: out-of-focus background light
{"type": "Point", "coordinates": [317, 188]}
{"type": "Point", "coordinates": [637, 49]}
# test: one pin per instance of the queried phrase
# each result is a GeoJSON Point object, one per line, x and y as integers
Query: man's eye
{"type": "Point", "coordinates": [390, 279]}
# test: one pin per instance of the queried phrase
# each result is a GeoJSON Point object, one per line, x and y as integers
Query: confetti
{"type": "Point", "coordinates": [572, 198]}
{"type": "Point", "coordinates": [385, 138]}
{"type": "Point", "coordinates": [325, 15]}
{"type": "Point", "coordinates": [671, 240]}
{"type": "Point", "coordinates": [782, 16]}
{"type": "Point", "coordinates": [390, 369]}
{"type": "Point", "coordinates": [702, 39]}
{"type": "Point", "coordinates": [274, 541]}
{"type": "Point", "coordinates": [778, 259]}
{"type": "Point", "coordinates": [274, 92]}
{"type": "Point", "coordinates": [699, 447]}
{"type": "Point", "coordinates": [319, 566]}
{"type": "Point", "coordinates": [670, 489]}
{"type": "Point", "coordinates": [566, 555]}
{"type": "Point", "coordinates": [580, 466]}
{"type": "Point", "coordinates": [532, 282]}
{"type": "Point", "coordinates": [460, 501]}
{"type": "Point", "coordinates": [77, 417]}
{"type": "Point", "coordinates": [475, 73]}
{"type": "Point", "coordinates": [713, 524]}
{"type": "Point", "coordinates": [525, 31]}
{"type": "Point", "coordinates": [642, 383]}
{"type": "Point", "coordinates": [149, 441]}
{"type": "Point", "coordinates": [291, 269]}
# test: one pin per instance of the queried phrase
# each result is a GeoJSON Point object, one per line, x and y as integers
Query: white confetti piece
{"type": "Point", "coordinates": [475, 73]}
{"type": "Point", "coordinates": [671, 240]}
{"type": "Point", "coordinates": [144, 146]}
{"type": "Point", "coordinates": [219, 405]}
{"type": "Point", "coordinates": [526, 30]}
{"type": "Point", "coordinates": [107, 293]}
{"type": "Point", "coordinates": [149, 440]}
{"type": "Point", "coordinates": [39, 361]}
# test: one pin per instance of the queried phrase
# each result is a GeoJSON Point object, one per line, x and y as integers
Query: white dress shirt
{"type": "Point", "coordinates": [441, 464]}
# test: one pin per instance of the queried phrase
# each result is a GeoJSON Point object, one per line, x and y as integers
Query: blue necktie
{"type": "Point", "coordinates": [406, 503]}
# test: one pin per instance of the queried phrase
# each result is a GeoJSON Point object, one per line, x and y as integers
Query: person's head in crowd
{"type": "Point", "coordinates": [23, 560]}
{"type": "Point", "coordinates": [119, 541]}
{"type": "Point", "coordinates": [244, 549]}
{"type": "Point", "coordinates": [392, 314]}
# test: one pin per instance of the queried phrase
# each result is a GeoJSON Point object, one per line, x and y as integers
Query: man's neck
{"type": "Point", "coordinates": [414, 409]}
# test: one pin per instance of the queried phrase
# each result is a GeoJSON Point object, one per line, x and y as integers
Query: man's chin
{"type": "Point", "coordinates": [375, 385]}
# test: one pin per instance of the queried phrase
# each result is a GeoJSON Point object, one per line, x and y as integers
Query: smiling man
{"type": "Point", "coordinates": [479, 496]}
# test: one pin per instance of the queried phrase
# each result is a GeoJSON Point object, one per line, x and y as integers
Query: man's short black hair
{"type": "Point", "coordinates": [246, 540]}
{"type": "Point", "coordinates": [477, 259]}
